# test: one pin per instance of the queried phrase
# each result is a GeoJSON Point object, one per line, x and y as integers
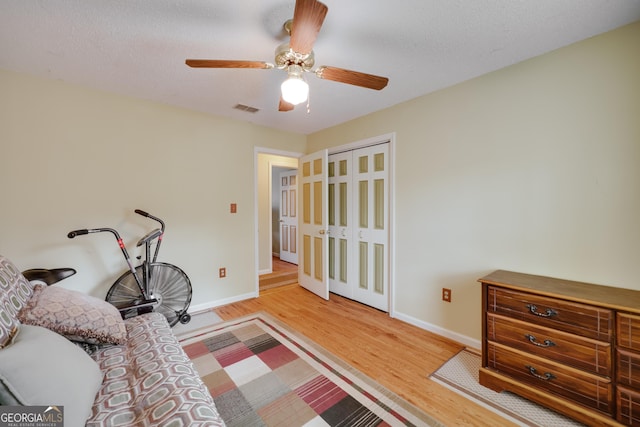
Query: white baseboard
{"type": "Point", "coordinates": [213, 304]}
{"type": "Point", "coordinates": [463, 339]}
{"type": "Point", "coordinates": [265, 271]}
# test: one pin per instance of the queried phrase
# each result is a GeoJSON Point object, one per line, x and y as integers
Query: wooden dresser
{"type": "Point", "coordinates": [570, 346]}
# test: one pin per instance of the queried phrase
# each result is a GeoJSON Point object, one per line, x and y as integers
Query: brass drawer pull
{"type": "Point", "coordinates": [545, 343]}
{"type": "Point", "coordinates": [548, 313]}
{"type": "Point", "coordinates": [548, 376]}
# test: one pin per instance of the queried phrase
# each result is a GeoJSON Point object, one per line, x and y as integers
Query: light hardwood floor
{"type": "Point", "coordinates": [397, 355]}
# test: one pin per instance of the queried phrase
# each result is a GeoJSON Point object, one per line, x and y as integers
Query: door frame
{"type": "Point", "coordinates": [391, 139]}
{"type": "Point", "coordinates": [256, 196]}
{"type": "Point", "coordinates": [380, 139]}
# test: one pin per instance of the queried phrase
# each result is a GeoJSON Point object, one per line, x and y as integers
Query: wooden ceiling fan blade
{"type": "Point", "coordinates": [308, 17]}
{"type": "Point", "coordinates": [284, 105]}
{"type": "Point", "coordinates": [352, 77]}
{"type": "Point", "coordinates": [224, 63]}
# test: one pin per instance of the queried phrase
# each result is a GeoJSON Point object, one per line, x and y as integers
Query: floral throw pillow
{"type": "Point", "coordinates": [75, 315]}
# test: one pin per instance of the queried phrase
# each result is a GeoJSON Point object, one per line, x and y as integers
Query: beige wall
{"type": "Point", "coordinates": [76, 158]}
{"type": "Point", "coordinates": [533, 168]}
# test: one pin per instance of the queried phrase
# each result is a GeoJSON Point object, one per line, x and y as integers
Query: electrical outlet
{"type": "Point", "coordinates": [222, 272]}
{"type": "Point", "coordinates": [233, 208]}
{"type": "Point", "coordinates": [446, 294]}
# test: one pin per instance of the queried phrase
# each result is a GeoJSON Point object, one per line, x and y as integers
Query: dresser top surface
{"type": "Point", "coordinates": [605, 296]}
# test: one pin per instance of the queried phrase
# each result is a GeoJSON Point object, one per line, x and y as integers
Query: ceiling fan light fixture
{"type": "Point", "coordinates": [295, 90]}
{"type": "Point", "coordinates": [296, 57]}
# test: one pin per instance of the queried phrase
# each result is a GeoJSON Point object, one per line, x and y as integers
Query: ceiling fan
{"type": "Point", "coordinates": [297, 58]}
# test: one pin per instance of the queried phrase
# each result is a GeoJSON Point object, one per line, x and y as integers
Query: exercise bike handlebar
{"type": "Point", "coordinates": [148, 215]}
{"type": "Point", "coordinates": [75, 233]}
{"type": "Point", "coordinates": [155, 218]}
{"type": "Point", "coordinates": [146, 240]}
{"type": "Point", "coordinates": [84, 231]}
{"type": "Point", "coordinates": [154, 234]}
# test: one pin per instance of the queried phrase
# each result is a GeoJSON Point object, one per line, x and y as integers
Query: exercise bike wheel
{"type": "Point", "coordinates": [168, 284]}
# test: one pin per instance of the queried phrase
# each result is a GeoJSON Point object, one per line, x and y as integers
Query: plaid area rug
{"type": "Point", "coordinates": [460, 374]}
{"type": "Point", "coordinates": [262, 373]}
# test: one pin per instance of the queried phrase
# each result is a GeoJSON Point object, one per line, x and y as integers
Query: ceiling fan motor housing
{"type": "Point", "coordinates": [285, 56]}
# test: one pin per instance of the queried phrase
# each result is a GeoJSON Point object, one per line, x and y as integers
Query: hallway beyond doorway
{"type": "Point", "coordinates": [284, 273]}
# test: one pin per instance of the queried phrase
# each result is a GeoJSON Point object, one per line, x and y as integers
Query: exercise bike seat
{"type": "Point", "coordinates": [48, 276]}
{"type": "Point", "coordinates": [153, 234]}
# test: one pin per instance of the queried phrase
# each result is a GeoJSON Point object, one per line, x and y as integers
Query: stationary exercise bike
{"type": "Point", "coordinates": [152, 285]}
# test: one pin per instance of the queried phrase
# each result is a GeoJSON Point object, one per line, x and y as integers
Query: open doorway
{"type": "Point", "coordinates": [284, 227]}
{"type": "Point", "coordinates": [270, 165]}
{"type": "Point", "coordinates": [284, 273]}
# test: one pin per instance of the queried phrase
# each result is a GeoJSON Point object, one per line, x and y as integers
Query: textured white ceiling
{"type": "Point", "coordinates": [138, 47]}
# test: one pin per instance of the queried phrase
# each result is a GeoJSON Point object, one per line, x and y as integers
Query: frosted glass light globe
{"type": "Point", "coordinates": [294, 90]}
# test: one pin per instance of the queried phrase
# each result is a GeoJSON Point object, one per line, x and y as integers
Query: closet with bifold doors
{"type": "Point", "coordinates": [358, 224]}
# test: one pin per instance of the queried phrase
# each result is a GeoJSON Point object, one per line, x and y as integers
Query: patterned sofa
{"type": "Point", "coordinates": [63, 349]}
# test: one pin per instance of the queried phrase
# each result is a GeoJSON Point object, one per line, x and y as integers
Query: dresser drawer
{"type": "Point", "coordinates": [628, 331]}
{"type": "Point", "coordinates": [580, 319]}
{"type": "Point", "coordinates": [573, 350]}
{"type": "Point", "coordinates": [589, 390]}
{"type": "Point", "coordinates": [628, 406]}
{"type": "Point", "coordinates": [629, 368]}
